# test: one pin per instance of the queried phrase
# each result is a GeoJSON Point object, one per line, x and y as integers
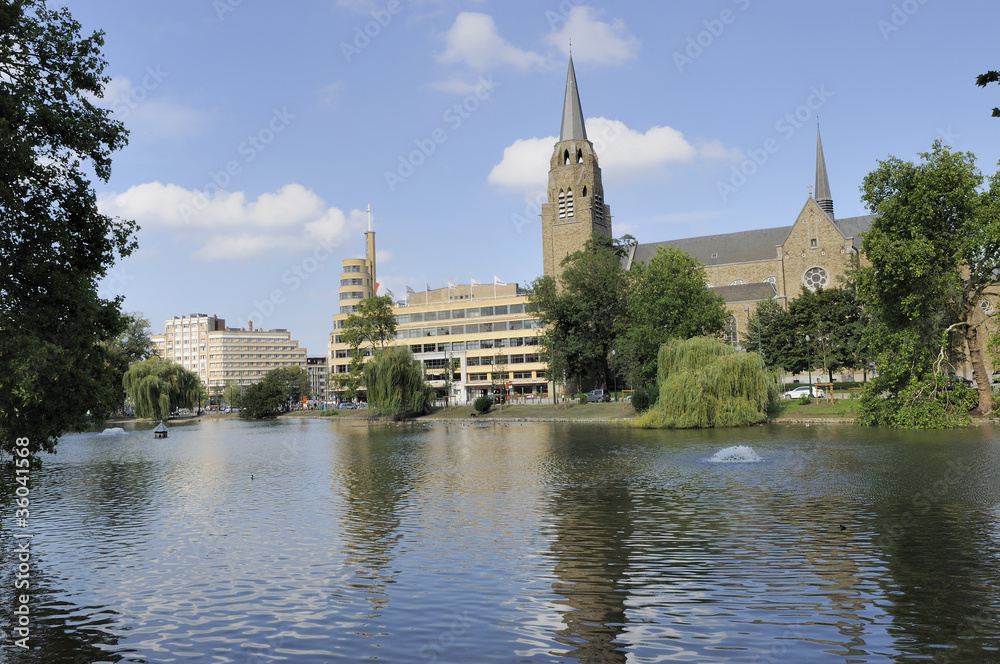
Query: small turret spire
{"type": "Point", "coordinates": [823, 197]}
{"type": "Point", "coordinates": [572, 127]}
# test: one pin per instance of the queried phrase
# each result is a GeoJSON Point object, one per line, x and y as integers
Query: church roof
{"type": "Point", "coordinates": [741, 247]}
{"type": "Point", "coordinates": [745, 292]}
{"type": "Point", "coordinates": [572, 127]}
{"type": "Point", "coordinates": [854, 227]}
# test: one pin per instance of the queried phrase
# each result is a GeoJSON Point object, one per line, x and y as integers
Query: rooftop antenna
{"type": "Point", "coordinates": [369, 217]}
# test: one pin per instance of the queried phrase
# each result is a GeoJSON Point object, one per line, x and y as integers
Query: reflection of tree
{"type": "Point", "coordinates": [942, 555]}
{"type": "Point", "coordinates": [592, 530]}
{"type": "Point", "coordinates": [375, 476]}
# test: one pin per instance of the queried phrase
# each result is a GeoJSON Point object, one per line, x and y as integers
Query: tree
{"type": "Point", "coordinates": [373, 323]}
{"type": "Point", "coordinates": [985, 79]}
{"type": "Point", "coordinates": [232, 394]}
{"type": "Point", "coordinates": [706, 383]}
{"type": "Point", "coordinates": [934, 250]}
{"type": "Point", "coordinates": [292, 382]}
{"type": "Point", "coordinates": [396, 385]}
{"type": "Point", "coordinates": [581, 313]}
{"type": "Point", "coordinates": [262, 400]}
{"type": "Point", "coordinates": [55, 369]}
{"type": "Point", "coordinates": [158, 387]}
{"type": "Point", "coordinates": [667, 298]}
{"type": "Point", "coordinates": [133, 344]}
{"type": "Point", "coordinates": [771, 334]}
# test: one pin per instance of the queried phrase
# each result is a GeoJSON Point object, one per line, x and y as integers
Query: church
{"type": "Point", "coordinates": [745, 268]}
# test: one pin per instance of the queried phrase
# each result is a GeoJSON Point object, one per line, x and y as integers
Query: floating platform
{"type": "Point", "coordinates": [160, 431]}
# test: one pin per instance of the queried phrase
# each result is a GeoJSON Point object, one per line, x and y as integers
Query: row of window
{"type": "Point", "coordinates": [353, 282]}
{"type": "Point", "coordinates": [472, 328]}
{"type": "Point", "coordinates": [449, 314]}
{"type": "Point", "coordinates": [352, 268]}
{"type": "Point", "coordinates": [478, 344]}
{"type": "Point", "coordinates": [352, 295]}
{"type": "Point", "coordinates": [503, 375]}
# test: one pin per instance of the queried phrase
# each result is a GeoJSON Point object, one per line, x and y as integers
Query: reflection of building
{"type": "Point", "coordinates": [219, 355]}
{"type": "Point", "coordinates": [318, 372]}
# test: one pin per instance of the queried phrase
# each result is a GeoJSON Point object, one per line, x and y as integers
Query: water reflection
{"type": "Point", "coordinates": [592, 509]}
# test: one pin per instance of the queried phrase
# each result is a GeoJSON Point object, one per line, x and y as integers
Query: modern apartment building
{"type": "Point", "coordinates": [219, 355]}
{"type": "Point", "coordinates": [319, 370]}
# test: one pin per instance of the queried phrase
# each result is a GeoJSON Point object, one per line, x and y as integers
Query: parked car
{"type": "Point", "coordinates": [598, 395]}
{"type": "Point", "coordinates": [802, 391]}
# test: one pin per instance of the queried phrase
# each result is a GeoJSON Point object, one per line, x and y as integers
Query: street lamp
{"type": "Point", "coordinates": [614, 373]}
{"type": "Point", "coordinates": [809, 367]}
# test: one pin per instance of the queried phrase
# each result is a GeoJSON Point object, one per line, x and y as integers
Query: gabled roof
{"type": "Point", "coordinates": [741, 247]}
{"type": "Point", "coordinates": [746, 292]}
{"type": "Point", "coordinates": [572, 127]}
{"type": "Point", "coordinates": [854, 227]}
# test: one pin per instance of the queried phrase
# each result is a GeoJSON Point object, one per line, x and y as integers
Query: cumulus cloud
{"type": "Point", "coordinates": [228, 227]}
{"type": "Point", "coordinates": [623, 153]}
{"type": "Point", "coordinates": [473, 40]}
{"type": "Point", "coordinates": [595, 42]}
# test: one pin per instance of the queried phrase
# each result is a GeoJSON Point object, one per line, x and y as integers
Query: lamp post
{"type": "Point", "coordinates": [809, 366]}
{"type": "Point", "coordinates": [614, 373]}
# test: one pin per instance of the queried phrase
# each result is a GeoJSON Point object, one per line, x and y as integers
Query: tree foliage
{"type": "Point", "coordinates": [262, 400]}
{"type": "Point", "coordinates": [292, 382]}
{"type": "Point", "coordinates": [133, 344]}
{"type": "Point", "coordinates": [232, 394]}
{"type": "Point", "coordinates": [396, 385]}
{"type": "Point", "coordinates": [985, 79]}
{"type": "Point", "coordinates": [582, 312]}
{"type": "Point", "coordinates": [158, 387]}
{"type": "Point", "coordinates": [706, 383]}
{"type": "Point", "coordinates": [934, 250]}
{"type": "Point", "coordinates": [374, 323]}
{"type": "Point", "coordinates": [667, 298]}
{"type": "Point", "coordinates": [55, 368]}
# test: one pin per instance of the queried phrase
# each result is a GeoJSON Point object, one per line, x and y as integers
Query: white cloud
{"type": "Point", "coordinates": [228, 227]}
{"type": "Point", "coordinates": [623, 153]}
{"type": "Point", "coordinates": [473, 40]}
{"type": "Point", "coordinates": [594, 41]}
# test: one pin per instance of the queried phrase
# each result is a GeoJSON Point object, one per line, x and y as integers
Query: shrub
{"type": "Point", "coordinates": [583, 398]}
{"type": "Point", "coordinates": [642, 399]}
{"type": "Point", "coordinates": [483, 404]}
{"type": "Point", "coordinates": [805, 400]}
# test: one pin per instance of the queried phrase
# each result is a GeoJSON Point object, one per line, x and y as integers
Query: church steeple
{"type": "Point", "coordinates": [575, 209]}
{"type": "Point", "coordinates": [823, 197]}
{"type": "Point", "coordinates": [572, 118]}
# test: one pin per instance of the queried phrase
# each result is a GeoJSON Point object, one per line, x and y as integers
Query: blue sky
{"type": "Point", "coordinates": [260, 131]}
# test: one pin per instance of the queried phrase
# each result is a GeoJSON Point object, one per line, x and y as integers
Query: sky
{"type": "Point", "coordinates": [260, 131]}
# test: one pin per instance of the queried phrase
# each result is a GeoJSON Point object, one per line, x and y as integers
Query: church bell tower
{"type": "Point", "coordinates": [575, 207]}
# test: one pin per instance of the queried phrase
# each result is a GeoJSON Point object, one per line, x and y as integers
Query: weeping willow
{"type": "Point", "coordinates": [156, 387]}
{"type": "Point", "coordinates": [705, 383]}
{"type": "Point", "coordinates": [395, 383]}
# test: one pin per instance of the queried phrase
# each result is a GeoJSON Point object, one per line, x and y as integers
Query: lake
{"type": "Point", "coordinates": [307, 541]}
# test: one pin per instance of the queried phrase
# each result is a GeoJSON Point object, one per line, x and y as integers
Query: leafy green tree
{"type": "Point", "coordinates": [374, 323]}
{"type": "Point", "coordinates": [934, 250]}
{"type": "Point", "coordinates": [55, 368]}
{"type": "Point", "coordinates": [666, 299]}
{"type": "Point", "coordinates": [582, 312]}
{"type": "Point", "coordinates": [985, 79]}
{"type": "Point", "coordinates": [262, 400]}
{"type": "Point", "coordinates": [771, 334]}
{"type": "Point", "coordinates": [158, 387]}
{"type": "Point", "coordinates": [832, 319]}
{"type": "Point", "coordinates": [292, 382]}
{"type": "Point", "coordinates": [133, 344]}
{"type": "Point", "coordinates": [232, 394]}
{"type": "Point", "coordinates": [396, 385]}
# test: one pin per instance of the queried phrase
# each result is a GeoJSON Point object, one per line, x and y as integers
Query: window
{"type": "Point", "coordinates": [815, 277]}
{"type": "Point", "coordinates": [770, 280]}
{"type": "Point", "coordinates": [569, 203]}
{"type": "Point", "coordinates": [352, 268]}
{"type": "Point", "coordinates": [737, 282]}
{"type": "Point", "coordinates": [516, 308]}
{"type": "Point", "coordinates": [562, 205]}
{"type": "Point", "coordinates": [474, 377]}
{"type": "Point", "coordinates": [731, 335]}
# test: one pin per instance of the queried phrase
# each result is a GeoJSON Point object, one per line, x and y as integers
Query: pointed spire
{"type": "Point", "coordinates": [823, 197]}
{"type": "Point", "coordinates": [572, 119]}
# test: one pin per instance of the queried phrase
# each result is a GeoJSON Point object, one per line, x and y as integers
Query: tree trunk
{"type": "Point", "coordinates": [986, 403]}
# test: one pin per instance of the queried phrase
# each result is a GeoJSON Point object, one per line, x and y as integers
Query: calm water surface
{"type": "Point", "coordinates": [520, 543]}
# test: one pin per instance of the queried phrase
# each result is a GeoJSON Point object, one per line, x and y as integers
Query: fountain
{"type": "Point", "coordinates": [735, 454]}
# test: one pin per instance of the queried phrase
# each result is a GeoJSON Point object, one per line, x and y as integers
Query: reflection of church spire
{"type": "Point", "coordinates": [823, 197]}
